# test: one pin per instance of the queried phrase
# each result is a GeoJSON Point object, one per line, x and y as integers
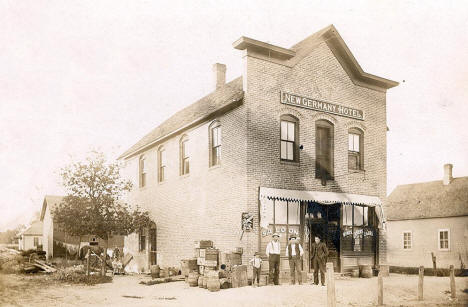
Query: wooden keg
{"type": "Point", "coordinates": [200, 281]}
{"type": "Point", "coordinates": [205, 280]}
{"type": "Point", "coordinates": [366, 271]}
{"type": "Point", "coordinates": [193, 279]}
{"type": "Point", "coordinates": [224, 283]}
{"type": "Point", "coordinates": [155, 271]}
{"type": "Point", "coordinates": [213, 284]}
{"type": "Point", "coordinates": [355, 273]}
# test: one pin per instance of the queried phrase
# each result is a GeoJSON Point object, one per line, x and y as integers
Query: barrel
{"type": "Point", "coordinates": [193, 279]}
{"type": "Point", "coordinates": [155, 271]}
{"type": "Point", "coordinates": [200, 282]}
{"type": "Point", "coordinates": [355, 273]}
{"type": "Point", "coordinates": [213, 283]}
{"type": "Point", "coordinates": [188, 265]}
{"type": "Point", "coordinates": [366, 271]}
{"type": "Point", "coordinates": [205, 280]}
{"type": "Point", "coordinates": [224, 283]}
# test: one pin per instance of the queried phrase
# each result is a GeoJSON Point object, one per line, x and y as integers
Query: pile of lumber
{"type": "Point", "coordinates": [38, 265]}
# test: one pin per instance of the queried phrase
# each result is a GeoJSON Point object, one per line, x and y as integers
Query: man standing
{"type": "Point", "coordinates": [273, 251]}
{"type": "Point", "coordinates": [319, 254]}
{"type": "Point", "coordinates": [294, 253]}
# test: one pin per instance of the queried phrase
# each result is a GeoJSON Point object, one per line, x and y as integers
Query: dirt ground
{"type": "Point", "coordinates": [399, 290]}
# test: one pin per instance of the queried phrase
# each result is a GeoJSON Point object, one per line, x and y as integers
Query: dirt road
{"type": "Point", "coordinates": [399, 290]}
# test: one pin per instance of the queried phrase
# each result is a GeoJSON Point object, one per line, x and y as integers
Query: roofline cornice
{"type": "Point", "coordinates": [199, 120]}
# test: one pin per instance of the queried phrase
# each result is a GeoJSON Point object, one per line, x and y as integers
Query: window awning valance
{"type": "Point", "coordinates": [327, 198]}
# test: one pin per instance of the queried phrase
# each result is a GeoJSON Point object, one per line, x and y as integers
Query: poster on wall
{"type": "Point", "coordinates": [247, 221]}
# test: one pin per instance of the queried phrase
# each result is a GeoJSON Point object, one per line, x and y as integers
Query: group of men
{"type": "Point", "coordinates": [294, 252]}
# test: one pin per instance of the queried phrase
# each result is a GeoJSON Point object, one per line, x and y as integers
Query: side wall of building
{"type": "Point", "coordinates": [48, 234]}
{"type": "Point", "coordinates": [204, 205]}
{"type": "Point", "coordinates": [425, 240]}
{"type": "Point", "coordinates": [319, 75]}
{"type": "Point", "coordinates": [28, 241]}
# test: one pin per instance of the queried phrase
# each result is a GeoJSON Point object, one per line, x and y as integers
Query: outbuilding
{"type": "Point", "coordinates": [428, 224]}
{"type": "Point", "coordinates": [297, 144]}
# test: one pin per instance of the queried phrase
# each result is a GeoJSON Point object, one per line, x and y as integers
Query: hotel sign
{"type": "Point", "coordinates": [322, 106]}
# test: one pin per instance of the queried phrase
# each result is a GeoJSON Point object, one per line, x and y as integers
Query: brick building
{"type": "Point", "coordinates": [298, 142]}
{"type": "Point", "coordinates": [428, 219]}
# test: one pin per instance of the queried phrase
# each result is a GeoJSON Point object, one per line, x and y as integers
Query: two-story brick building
{"type": "Point", "coordinates": [298, 142]}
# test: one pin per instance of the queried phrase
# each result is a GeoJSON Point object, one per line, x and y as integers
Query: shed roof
{"type": "Point", "coordinates": [52, 201]}
{"type": "Point", "coordinates": [34, 230]}
{"type": "Point", "coordinates": [428, 200]}
{"type": "Point", "coordinates": [219, 100]}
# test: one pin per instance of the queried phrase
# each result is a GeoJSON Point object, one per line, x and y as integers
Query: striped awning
{"type": "Point", "coordinates": [326, 198]}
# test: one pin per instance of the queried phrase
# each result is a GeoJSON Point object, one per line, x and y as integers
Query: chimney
{"type": "Point", "coordinates": [448, 174]}
{"type": "Point", "coordinates": [219, 71]}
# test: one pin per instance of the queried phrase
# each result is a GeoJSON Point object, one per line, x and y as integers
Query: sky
{"type": "Point", "coordinates": [77, 76]}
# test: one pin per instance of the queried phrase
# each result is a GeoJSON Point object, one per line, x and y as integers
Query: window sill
{"type": "Point", "coordinates": [214, 166]}
{"type": "Point", "coordinates": [356, 171]}
{"type": "Point", "coordinates": [444, 250]}
{"type": "Point", "coordinates": [292, 163]}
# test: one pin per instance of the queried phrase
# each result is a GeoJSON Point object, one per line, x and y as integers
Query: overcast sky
{"type": "Point", "coordinates": [82, 75]}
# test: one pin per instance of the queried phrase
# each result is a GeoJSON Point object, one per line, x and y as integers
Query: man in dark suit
{"type": "Point", "coordinates": [319, 254]}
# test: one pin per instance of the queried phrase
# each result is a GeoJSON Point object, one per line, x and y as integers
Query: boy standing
{"type": "Point", "coordinates": [256, 262]}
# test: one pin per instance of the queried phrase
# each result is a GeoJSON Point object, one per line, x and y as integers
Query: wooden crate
{"type": "Point", "coordinates": [239, 276]}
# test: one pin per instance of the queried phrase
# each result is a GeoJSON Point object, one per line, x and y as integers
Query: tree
{"type": "Point", "coordinates": [93, 204]}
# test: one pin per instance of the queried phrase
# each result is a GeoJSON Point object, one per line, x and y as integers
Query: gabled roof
{"type": "Point", "coordinates": [335, 42]}
{"type": "Point", "coordinates": [52, 201]}
{"type": "Point", "coordinates": [34, 230]}
{"type": "Point", "coordinates": [228, 96]}
{"type": "Point", "coordinates": [428, 200]}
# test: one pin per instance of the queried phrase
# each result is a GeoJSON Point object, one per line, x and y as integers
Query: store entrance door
{"type": "Point", "coordinates": [323, 221]}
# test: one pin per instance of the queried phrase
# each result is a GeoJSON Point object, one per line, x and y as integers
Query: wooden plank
{"type": "Point", "coordinates": [453, 289]}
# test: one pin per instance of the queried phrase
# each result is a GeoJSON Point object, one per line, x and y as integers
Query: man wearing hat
{"type": "Point", "coordinates": [319, 254]}
{"type": "Point", "coordinates": [273, 251]}
{"type": "Point", "coordinates": [294, 253]}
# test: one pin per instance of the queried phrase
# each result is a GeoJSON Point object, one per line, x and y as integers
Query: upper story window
{"type": "Point", "coordinates": [444, 239]}
{"type": "Point", "coordinates": [161, 164]}
{"type": "Point", "coordinates": [142, 171]}
{"type": "Point", "coordinates": [215, 144]}
{"type": "Point", "coordinates": [324, 140]}
{"type": "Point", "coordinates": [184, 156]}
{"type": "Point", "coordinates": [289, 138]}
{"type": "Point", "coordinates": [407, 240]}
{"type": "Point", "coordinates": [355, 149]}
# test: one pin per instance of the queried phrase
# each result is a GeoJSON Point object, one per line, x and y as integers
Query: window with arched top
{"type": "Point", "coordinates": [289, 135]}
{"type": "Point", "coordinates": [355, 149]}
{"type": "Point", "coordinates": [215, 143]}
{"type": "Point", "coordinates": [184, 156]}
{"type": "Point", "coordinates": [161, 164]}
{"type": "Point", "coordinates": [142, 171]}
{"type": "Point", "coordinates": [324, 147]}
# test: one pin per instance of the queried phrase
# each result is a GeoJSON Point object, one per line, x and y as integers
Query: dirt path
{"type": "Point", "coordinates": [399, 290]}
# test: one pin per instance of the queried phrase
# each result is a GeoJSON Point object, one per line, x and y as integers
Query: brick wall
{"type": "Point", "coordinates": [320, 76]}
{"type": "Point", "coordinates": [207, 204]}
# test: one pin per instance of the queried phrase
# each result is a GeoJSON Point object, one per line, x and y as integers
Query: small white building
{"type": "Point", "coordinates": [31, 238]}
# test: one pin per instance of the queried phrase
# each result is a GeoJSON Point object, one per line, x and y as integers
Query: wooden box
{"type": "Point", "coordinates": [239, 276]}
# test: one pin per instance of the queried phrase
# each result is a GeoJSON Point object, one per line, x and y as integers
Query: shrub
{"type": "Point", "coordinates": [77, 275]}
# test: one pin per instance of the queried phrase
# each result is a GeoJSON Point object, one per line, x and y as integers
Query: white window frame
{"type": "Point", "coordinates": [403, 240]}
{"type": "Point", "coordinates": [448, 239]}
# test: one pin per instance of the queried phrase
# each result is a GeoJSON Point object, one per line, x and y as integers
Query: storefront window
{"type": "Point", "coordinates": [348, 215]}
{"type": "Point", "coordinates": [358, 216]}
{"type": "Point", "coordinates": [294, 213]}
{"type": "Point", "coordinates": [281, 212]}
